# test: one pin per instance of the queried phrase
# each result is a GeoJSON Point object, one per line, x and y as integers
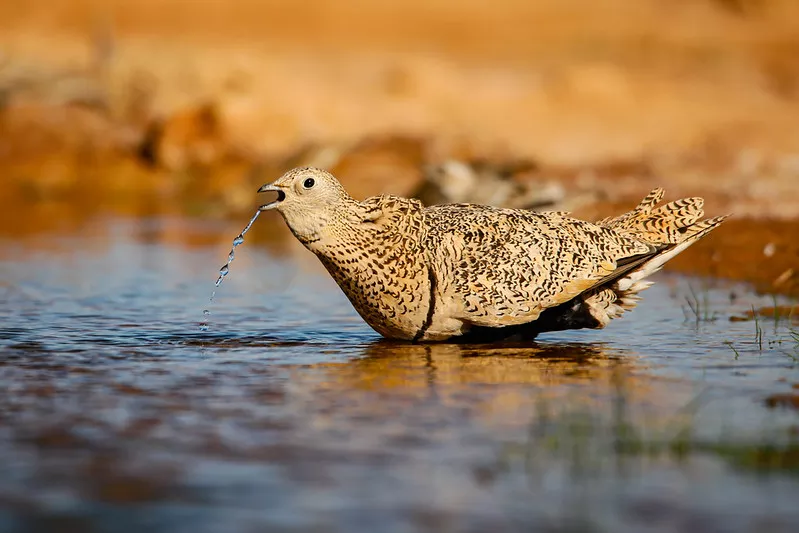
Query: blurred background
{"type": "Point", "coordinates": [176, 106]}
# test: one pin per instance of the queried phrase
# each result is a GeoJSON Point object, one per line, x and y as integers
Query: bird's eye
{"type": "Point", "coordinates": [308, 183]}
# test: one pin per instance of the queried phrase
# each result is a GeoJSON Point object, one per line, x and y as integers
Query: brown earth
{"type": "Point", "coordinates": [174, 106]}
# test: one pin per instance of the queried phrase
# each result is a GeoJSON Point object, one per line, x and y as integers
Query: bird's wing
{"type": "Point", "coordinates": [500, 267]}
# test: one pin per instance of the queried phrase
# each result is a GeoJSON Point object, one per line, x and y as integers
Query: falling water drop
{"type": "Point", "coordinates": [225, 270]}
{"type": "Point", "coordinates": [222, 273]}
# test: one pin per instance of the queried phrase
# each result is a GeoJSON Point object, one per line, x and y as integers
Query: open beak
{"type": "Point", "coordinates": [280, 196]}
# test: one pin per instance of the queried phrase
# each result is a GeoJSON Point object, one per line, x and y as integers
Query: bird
{"type": "Point", "coordinates": [478, 273]}
{"type": "Point", "coordinates": [454, 181]}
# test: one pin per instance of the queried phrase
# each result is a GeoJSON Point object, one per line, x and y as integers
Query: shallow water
{"type": "Point", "coordinates": [290, 414]}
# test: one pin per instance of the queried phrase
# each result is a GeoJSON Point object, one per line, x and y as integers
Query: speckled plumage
{"type": "Point", "coordinates": [479, 272]}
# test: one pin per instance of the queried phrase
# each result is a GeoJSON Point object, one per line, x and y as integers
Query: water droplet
{"type": "Point", "coordinates": [203, 326]}
{"type": "Point", "coordinates": [222, 273]}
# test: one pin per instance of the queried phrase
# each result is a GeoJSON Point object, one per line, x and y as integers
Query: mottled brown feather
{"type": "Point", "coordinates": [434, 273]}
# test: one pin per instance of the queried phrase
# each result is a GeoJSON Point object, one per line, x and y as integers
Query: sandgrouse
{"type": "Point", "coordinates": [481, 273]}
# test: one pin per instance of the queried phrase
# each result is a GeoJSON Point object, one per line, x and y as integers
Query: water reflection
{"type": "Point", "coordinates": [387, 364]}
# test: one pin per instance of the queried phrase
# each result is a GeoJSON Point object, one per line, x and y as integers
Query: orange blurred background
{"type": "Point", "coordinates": [155, 106]}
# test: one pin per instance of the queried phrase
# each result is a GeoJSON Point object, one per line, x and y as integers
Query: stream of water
{"type": "Point", "coordinates": [225, 270]}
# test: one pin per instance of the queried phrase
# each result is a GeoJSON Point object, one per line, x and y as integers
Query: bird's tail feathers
{"type": "Point", "coordinates": [674, 227]}
{"type": "Point", "coordinates": [671, 223]}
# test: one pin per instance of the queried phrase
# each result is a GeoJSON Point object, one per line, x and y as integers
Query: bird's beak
{"type": "Point", "coordinates": [280, 196]}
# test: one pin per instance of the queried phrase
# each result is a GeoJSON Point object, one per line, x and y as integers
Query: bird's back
{"type": "Point", "coordinates": [499, 267]}
{"type": "Point", "coordinates": [502, 268]}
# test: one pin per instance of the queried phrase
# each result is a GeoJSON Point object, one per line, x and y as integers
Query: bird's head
{"type": "Point", "coordinates": [309, 199]}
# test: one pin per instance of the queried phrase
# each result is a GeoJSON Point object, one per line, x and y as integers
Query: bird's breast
{"type": "Point", "coordinates": [386, 282]}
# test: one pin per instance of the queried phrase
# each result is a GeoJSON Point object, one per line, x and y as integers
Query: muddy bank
{"type": "Point", "coordinates": [762, 252]}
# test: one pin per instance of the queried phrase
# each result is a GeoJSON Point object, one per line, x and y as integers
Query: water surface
{"type": "Point", "coordinates": [290, 414]}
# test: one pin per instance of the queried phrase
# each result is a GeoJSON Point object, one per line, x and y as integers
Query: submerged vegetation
{"type": "Point", "coordinates": [782, 336]}
{"type": "Point", "coordinates": [699, 305]}
{"type": "Point", "coordinates": [594, 439]}
{"type": "Point", "coordinates": [619, 439]}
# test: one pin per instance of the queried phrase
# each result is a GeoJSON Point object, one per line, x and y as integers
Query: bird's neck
{"type": "Point", "coordinates": [318, 230]}
{"type": "Point", "coordinates": [369, 225]}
